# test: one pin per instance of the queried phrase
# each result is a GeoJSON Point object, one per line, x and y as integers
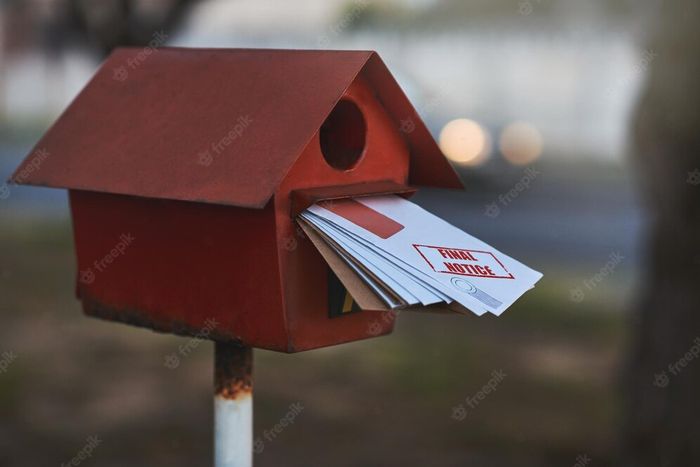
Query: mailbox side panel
{"type": "Point", "coordinates": [180, 267]}
{"type": "Point", "coordinates": [305, 275]}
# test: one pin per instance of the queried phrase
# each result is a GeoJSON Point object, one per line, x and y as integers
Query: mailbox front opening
{"type": "Point", "coordinates": [343, 136]}
{"type": "Point", "coordinates": [302, 199]}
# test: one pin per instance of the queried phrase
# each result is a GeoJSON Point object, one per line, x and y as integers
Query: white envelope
{"type": "Point", "coordinates": [471, 272]}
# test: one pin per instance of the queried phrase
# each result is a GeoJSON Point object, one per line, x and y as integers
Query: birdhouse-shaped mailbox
{"type": "Point", "coordinates": [186, 168]}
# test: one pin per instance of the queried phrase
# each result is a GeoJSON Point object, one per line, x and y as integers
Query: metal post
{"type": "Point", "coordinates": [233, 405]}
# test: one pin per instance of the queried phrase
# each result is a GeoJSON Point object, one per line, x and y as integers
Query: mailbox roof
{"type": "Point", "coordinates": [148, 119]}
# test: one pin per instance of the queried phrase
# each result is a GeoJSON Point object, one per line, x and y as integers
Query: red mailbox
{"type": "Point", "coordinates": [186, 168]}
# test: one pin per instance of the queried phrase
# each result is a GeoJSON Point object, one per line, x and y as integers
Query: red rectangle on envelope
{"type": "Point", "coordinates": [363, 216]}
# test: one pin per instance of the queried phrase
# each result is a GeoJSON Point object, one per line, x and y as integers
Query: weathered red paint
{"type": "Point", "coordinates": [143, 135]}
{"type": "Point", "coordinates": [218, 243]}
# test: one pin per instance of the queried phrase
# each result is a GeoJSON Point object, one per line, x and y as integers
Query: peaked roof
{"type": "Point", "coordinates": [149, 120]}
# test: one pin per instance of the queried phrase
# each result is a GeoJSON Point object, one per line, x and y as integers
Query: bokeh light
{"type": "Point", "coordinates": [465, 142]}
{"type": "Point", "coordinates": [520, 143]}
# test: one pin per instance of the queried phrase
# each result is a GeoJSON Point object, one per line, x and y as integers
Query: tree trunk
{"type": "Point", "coordinates": [662, 389]}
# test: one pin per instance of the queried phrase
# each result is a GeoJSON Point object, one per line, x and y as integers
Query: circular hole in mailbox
{"type": "Point", "coordinates": [343, 136]}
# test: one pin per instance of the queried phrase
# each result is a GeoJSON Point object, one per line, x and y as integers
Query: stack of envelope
{"type": "Point", "coordinates": [410, 258]}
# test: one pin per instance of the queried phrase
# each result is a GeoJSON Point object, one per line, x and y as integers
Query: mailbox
{"type": "Point", "coordinates": [186, 168]}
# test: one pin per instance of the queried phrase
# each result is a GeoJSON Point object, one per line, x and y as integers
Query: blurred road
{"type": "Point", "coordinates": [560, 219]}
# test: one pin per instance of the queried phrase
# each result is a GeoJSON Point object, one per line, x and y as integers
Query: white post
{"type": "Point", "coordinates": [233, 405]}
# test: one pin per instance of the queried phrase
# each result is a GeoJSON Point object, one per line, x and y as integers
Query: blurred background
{"type": "Point", "coordinates": [574, 126]}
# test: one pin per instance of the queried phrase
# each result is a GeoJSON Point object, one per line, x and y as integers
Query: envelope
{"type": "Point", "coordinates": [419, 258]}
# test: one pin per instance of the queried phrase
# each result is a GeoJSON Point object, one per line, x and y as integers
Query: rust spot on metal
{"type": "Point", "coordinates": [96, 309]}
{"type": "Point", "coordinates": [233, 370]}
